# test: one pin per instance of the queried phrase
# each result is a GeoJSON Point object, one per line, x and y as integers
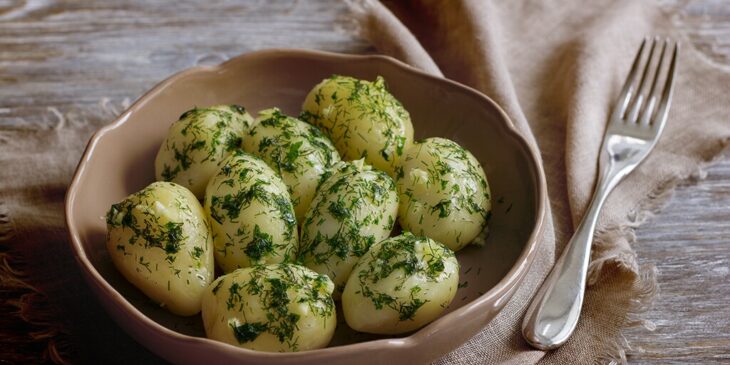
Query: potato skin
{"type": "Point", "coordinates": [400, 285]}
{"type": "Point", "coordinates": [160, 241]}
{"type": "Point", "coordinates": [296, 150]}
{"type": "Point", "coordinates": [354, 208]}
{"type": "Point", "coordinates": [444, 193]}
{"type": "Point", "coordinates": [250, 213]}
{"type": "Point", "coordinates": [197, 142]}
{"type": "Point", "coordinates": [362, 118]}
{"type": "Point", "coordinates": [274, 308]}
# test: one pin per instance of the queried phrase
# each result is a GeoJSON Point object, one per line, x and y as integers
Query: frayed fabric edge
{"type": "Point", "coordinates": [626, 258]}
{"type": "Point", "coordinates": [25, 308]}
{"type": "Point", "coordinates": [646, 277]}
{"type": "Point", "coordinates": [646, 287]}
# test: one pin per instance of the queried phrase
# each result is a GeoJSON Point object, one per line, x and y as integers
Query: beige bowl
{"type": "Point", "coordinates": [119, 160]}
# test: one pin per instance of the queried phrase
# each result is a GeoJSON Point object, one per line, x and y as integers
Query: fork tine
{"type": "Point", "coordinates": [627, 89]}
{"type": "Point", "coordinates": [661, 116]}
{"type": "Point", "coordinates": [652, 96]}
{"type": "Point", "coordinates": [631, 116]}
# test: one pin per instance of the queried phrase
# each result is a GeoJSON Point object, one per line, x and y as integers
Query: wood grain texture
{"type": "Point", "coordinates": [688, 241]}
{"type": "Point", "coordinates": [80, 62]}
{"type": "Point", "coordinates": [63, 56]}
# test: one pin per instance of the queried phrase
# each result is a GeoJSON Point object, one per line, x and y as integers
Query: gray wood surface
{"type": "Point", "coordinates": [85, 60]}
{"type": "Point", "coordinates": [688, 240]}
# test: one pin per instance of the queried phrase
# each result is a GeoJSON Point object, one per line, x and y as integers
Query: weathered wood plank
{"type": "Point", "coordinates": [688, 240]}
{"type": "Point", "coordinates": [706, 23]}
{"type": "Point", "coordinates": [71, 55]}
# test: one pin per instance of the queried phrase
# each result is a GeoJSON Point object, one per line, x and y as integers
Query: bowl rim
{"type": "Point", "coordinates": [505, 285]}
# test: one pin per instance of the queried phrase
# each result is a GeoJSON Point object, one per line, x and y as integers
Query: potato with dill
{"type": "Point", "coordinates": [353, 208]}
{"type": "Point", "coordinates": [444, 193]}
{"type": "Point", "coordinates": [251, 214]}
{"type": "Point", "coordinates": [160, 241]}
{"type": "Point", "coordinates": [400, 285]}
{"type": "Point", "coordinates": [275, 308]}
{"type": "Point", "coordinates": [362, 118]}
{"type": "Point", "coordinates": [298, 151]}
{"type": "Point", "coordinates": [197, 142]}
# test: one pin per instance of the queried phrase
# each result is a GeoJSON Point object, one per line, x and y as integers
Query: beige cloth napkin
{"type": "Point", "coordinates": [556, 67]}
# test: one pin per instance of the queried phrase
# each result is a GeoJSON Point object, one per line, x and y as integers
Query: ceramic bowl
{"type": "Point", "coordinates": [119, 160]}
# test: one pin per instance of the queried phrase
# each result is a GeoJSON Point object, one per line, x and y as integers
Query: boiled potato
{"type": "Point", "coordinates": [275, 308]}
{"type": "Point", "coordinates": [354, 208]}
{"type": "Point", "coordinates": [197, 142]}
{"type": "Point", "coordinates": [362, 118]}
{"type": "Point", "coordinates": [298, 151]}
{"type": "Point", "coordinates": [250, 213]}
{"type": "Point", "coordinates": [400, 285]}
{"type": "Point", "coordinates": [159, 240]}
{"type": "Point", "coordinates": [444, 193]}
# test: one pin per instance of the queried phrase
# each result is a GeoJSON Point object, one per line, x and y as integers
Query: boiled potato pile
{"type": "Point", "coordinates": [293, 228]}
{"type": "Point", "coordinates": [362, 118]}
{"type": "Point", "coordinates": [197, 142]}
{"type": "Point", "coordinates": [277, 308]}
{"type": "Point", "coordinates": [296, 150]}
{"type": "Point", "coordinates": [159, 239]}
{"type": "Point", "coordinates": [251, 214]}
{"type": "Point", "coordinates": [354, 208]}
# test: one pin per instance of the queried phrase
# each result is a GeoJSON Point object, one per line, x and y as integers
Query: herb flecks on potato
{"type": "Point", "coordinates": [197, 142]}
{"type": "Point", "coordinates": [274, 308]}
{"type": "Point", "coordinates": [399, 285]}
{"type": "Point", "coordinates": [251, 214]}
{"type": "Point", "coordinates": [362, 118]}
{"type": "Point", "coordinates": [354, 208]}
{"type": "Point", "coordinates": [159, 239]}
{"type": "Point", "coordinates": [444, 193]}
{"type": "Point", "coordinates": [296, 150]}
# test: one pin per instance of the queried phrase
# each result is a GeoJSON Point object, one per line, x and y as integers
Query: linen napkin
{"type": "Point", "coordinates": [556, 67]}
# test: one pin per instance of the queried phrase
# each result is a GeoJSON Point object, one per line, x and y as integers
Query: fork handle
{"type": "Point", "coordinates": [553, 314]}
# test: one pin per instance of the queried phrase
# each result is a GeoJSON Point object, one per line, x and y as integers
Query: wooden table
{"type": "Point", "coordinates": [84, 61]}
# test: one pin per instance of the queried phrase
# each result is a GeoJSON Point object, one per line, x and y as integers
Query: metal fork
{"type": "Point", "coordinates": [636, 123]}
